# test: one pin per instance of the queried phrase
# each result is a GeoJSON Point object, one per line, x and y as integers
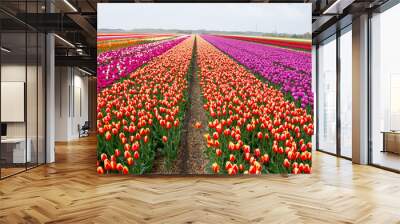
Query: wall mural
{"type": "Point", "coordinates": [197, 98]}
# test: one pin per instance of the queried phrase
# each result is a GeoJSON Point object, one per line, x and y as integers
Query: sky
{"type": "Point", "coordinates": [260, 17]}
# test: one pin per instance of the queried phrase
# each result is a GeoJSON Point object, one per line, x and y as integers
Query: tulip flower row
{"type": "Point", "coordinates": [121, 36]}
{"type": "Point", "coordinates": [301, 45]}
{"type": "Point", "coordinates": [114, 44]}
{"type": "Point", "coordinates": [143, 113]}
{"type": "Point", "coordinates": [253, 129]}
{"type": "Point", "coordinates": [289, 70]}
{"type": "Point", "coordinates": [117, 64]}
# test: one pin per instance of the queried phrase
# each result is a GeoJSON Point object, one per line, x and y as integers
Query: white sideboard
{"type": "Point", "coordinates": [18, 149]}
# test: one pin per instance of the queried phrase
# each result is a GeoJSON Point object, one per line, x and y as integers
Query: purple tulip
{"type": "Point", "coordinates": [116, 64]}
{"type": "Point", "coordinates": [289, 69]}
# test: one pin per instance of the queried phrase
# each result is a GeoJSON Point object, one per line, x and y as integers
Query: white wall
{"type": "Point", "coordinates": [14, 72]}
{"type": "Point", "coordinates": [70, 83]}
{"type": "Point", "coordinates": [62, 82]}
{"type": "Point", "coordinates": [34, 125]}
{"type": "Point", "coordinates": [314, 89]}
{"type": "Point", "coordinates": [81, 85]}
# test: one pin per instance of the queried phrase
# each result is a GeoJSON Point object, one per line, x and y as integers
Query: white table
{"type": "Point", "coordinates": [18, 144]}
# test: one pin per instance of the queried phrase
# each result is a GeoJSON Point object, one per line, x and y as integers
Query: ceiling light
{"type": "Point", "coordinates": [5, 50]}
{"type": "Point", "coordinates": [338, 6]}
{"type": "Point", "coordinates": [84, 71]}
{"type": "Point", "coordinates": [64, 40]}
{"type": "Point", "coordinates": [331, 7]}
{"type": "Point", "coordinates": [70, 5]}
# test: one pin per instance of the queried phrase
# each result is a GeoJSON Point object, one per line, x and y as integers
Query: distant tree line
{"type": "Point", "coordinates": [302, 36]}
{"type": "Point", "coordinates": [249, 33]}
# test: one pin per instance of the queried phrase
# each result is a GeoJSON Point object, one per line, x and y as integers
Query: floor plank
{"type": "Point", "coordinates": [70, 191]}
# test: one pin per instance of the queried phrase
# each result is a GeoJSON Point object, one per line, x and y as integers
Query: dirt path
{"type": "Point", "coordinates": [191, 158]}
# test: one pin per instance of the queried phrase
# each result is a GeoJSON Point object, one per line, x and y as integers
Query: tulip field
{"type": "Point", "coordinates": [255, 97]}
{"type": "Point", "coordinates": [108, 42]}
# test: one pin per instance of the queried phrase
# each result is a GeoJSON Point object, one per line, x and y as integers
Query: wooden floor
{"type": "Point", "coordinates": [386, 159]}
{"type": "Point", "coordinates": [70, 191]}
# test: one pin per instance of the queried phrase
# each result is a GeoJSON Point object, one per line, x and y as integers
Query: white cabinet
{"type": "Point", "coordinates": [19, 155]}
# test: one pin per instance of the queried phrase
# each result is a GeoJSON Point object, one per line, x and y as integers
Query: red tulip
{"type": "Point", "coordinates": [228, 165]}
{"type": "Point", "coordinates": [307, 168]}
{"type": "Point", "coordinates": [218, 128]}
{"type": "Point", "coordinates": [257, 152]}
{"type": "Point", "coordinates": [227, 132]}
{"type": "Point", "coordinates": [125, 170]}
{"type": "Point", "coordinates": [233, 170]}
{"type": "Point", "coordinates": [113, 165]}
{"type": "Point", "coordinates": [108, 136]}
{"type": "Point", "coordinates": [301, 167]}
{"type": "Point", "coordinates": [162, 123]}
{"type": "Point", "coordinates": [197, 125]}
{"type": "Point", "coordinates": [136, 155]}
{"type": "Point", "coordinates": [164, 139]}
{"type": "Point", "coordinates": [252, 160]}
{"type": "Point", "coordinates": [127, 147]}
{"type": "Point", "coordinates": [119, 166]}
{"type": "Point", "coordinates": [266, 158]}
{"type": "Point", "coordinates": [129, 161]}
{"type": "Point", "coordinates": [303, 156]}
{"type": "Point", "coordinates": [169, 125]}
{"type": "Point", "coordinates": [100, 170]}
{"type": "Point", "coordinates": [231, 146]}
{"type": "Point", "coordinates": [231, 158]}
{"type": "Point", "coordinates": [117, 153]}
{"type": "Point", "coordinates": [135, 146]}
{"type": "Point", "coordinates": [107, 164]}
{"type": "Point", "coordinates": [303, 147]}
{"type": "Point", "coordinates": [218, 152]}
{"type": "Point", "coordinates": [114, 131]}
{"type": "Point", "coordinates": [275, 148]}
{"type": "Point", "coordinates": [103, 156]}
{"type": "Point", "coordinates": [246, 148]}
{"type": "Point", "coordinates": [215, 135]}
{"type": "Point", "coordinates": [309, 155]}
{"type": "Point", "coordinates": [127, 154]}
{"type": "Point", "coordinates": [286, 163]}
{"type": "Point", "coordinates": [252, 169]}
{"type": "Point", "coordinates": [215, 167]}
{"type": "Point", "coordinates": [247, 156]}
{"type": "Point", "coordinates": [216, 144]}
{"type": "Point", "coordinates": [241, 167]}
